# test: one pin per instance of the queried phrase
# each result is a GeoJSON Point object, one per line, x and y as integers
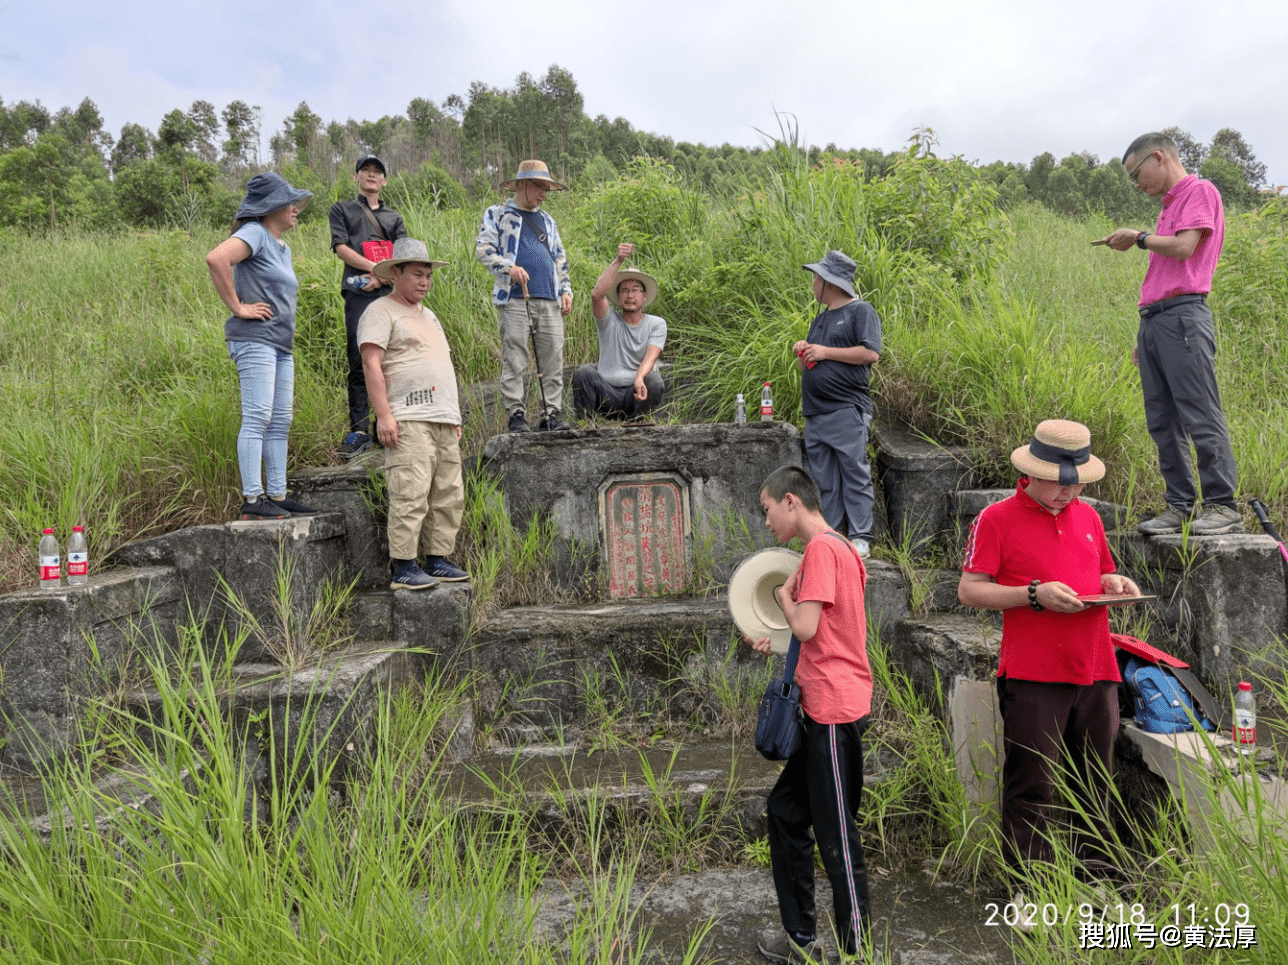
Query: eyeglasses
{"type": "Point", "coordinates": [1134, 173]}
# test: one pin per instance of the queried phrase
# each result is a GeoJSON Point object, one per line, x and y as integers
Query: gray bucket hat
{"type": "Point", "coordinates": [269, 192]}
{"type": "Point", "coordinates": [837, 268]}
{"type": "Point", "coordinates": [406, 250]}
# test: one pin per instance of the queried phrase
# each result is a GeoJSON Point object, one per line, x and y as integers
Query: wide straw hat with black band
{"type": "Point", "coordinates": [405, 250]}
{"type": "Point", "coordinates": [533, 170]}
{"type": "Point", "coordinates": [837, 268]}
{"type": "Point", "coordinates": [752, 604]}
{"type": "Point", "coordinates": [629, 274]}
{"type": "Point", "coordinates": [1060, 451]}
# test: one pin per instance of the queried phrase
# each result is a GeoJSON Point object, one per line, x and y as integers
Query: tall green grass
{"type": "Point", "coordinates": [122, 406]}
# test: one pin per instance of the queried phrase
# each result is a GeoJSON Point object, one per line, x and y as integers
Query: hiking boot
{"type": "Point", "coordinates": [553, 421]}
{"type": "Point", "coordinates": [262, 507]}
{"type": "Point", "coordinates": [777, 946]}
{"type": "Point", "coordinates": [1169, 520]}
{"type": "Point", "coordinates": [355, 443]}
{"type": "Point", "coordinates": [293, 507]}
{"type": "Point", "coordinates": [444, 570]}
{"type": "Point", "coordinates": [1217, 520]}
{"type": "Point", "coordinates": [518, 423]}
{"type": "Point", "coordinates": [407, 575]}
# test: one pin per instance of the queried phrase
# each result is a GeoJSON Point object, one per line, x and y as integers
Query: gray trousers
{"type": "Point", "coordinates": [836, 448]}
{"type": "Point", "coordinates": [515, 338]}
{"type": "Point", "coordinates": [591, 394]}
{"type": "Point", "coordinates": [1177, 352]}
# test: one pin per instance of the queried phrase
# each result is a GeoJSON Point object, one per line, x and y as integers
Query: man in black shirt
{"type": "Point", "coordinates": [843, 342]}
{"type": "Point", "coordinates": [362, 233]}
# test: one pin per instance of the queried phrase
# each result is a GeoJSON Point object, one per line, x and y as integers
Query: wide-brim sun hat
{"type": "Point", "coordinates": [628, 274]}
{"type": "Point", "coordinates": [752, 604]}
{"type": "Point", "coordinates": [837, 268]}
{"type": "Point", "coordinates": [405, 250]}
{"type": "Point", "coordinates": [269, 192]}
{"type": "Point", "coordinates": [533, 170]}
{"type": "Point", "coordinates": [1060, 451]}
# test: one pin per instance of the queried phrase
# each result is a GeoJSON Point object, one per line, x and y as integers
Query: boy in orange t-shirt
{"type": "Point", "coordinates": [822, 783]}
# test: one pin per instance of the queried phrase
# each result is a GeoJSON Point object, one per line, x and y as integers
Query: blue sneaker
{"type": "Point", "coordinates": [355, 443]}
{"type": "Point", "coordinates": [408, 575]}
{"type": "Point", "coordinates": [444, 570]}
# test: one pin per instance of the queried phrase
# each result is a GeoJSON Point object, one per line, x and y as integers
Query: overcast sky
{"type": "Point", "coordinates": [996, 80]}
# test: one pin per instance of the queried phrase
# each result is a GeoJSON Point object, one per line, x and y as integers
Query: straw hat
{"type": "Point", "coordinates": [405, 250]}
{"type": "Point", "coordinates": [752, 604]}
{"type": "Point", "coordinates": [627, 274]}
{"type": "Point", "coordinates": [533, 171]}
{"type": "Point", "coordinates": [1060, 451]}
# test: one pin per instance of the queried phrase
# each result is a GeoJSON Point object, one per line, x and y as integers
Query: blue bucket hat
{"type": "Point", "coordinates": [269, 192]}
{"type": "Point", "coordinates": [837, 268]}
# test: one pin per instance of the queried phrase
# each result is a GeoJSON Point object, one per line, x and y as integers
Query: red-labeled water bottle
{"type": "Point", "coordinates": [1245, 719]}
{"type": "Point", "coordinates": [77, 558]}
{"type": "Point", "coordinates": [51, 567]}
{"type": "Point", "coordinates": [766, 404]}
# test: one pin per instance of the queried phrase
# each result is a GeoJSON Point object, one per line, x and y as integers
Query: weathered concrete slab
{"type": "Point", "coordinates": [59, 647]}
{"type": "Point", "coordinates": [249, 557]}
{"type": "Point", "coordinates": [544, 665]}
{"type": "Point", "coordinates": [1221, 599]}
{"type": "Point", "coordinates": [559, 475]}
{"type": "Point", "coordinates": [356, 491]}
{"type": "Point", "coordinates": [916, 478]}
{"type": "Point", "coordinates": [939, 649]}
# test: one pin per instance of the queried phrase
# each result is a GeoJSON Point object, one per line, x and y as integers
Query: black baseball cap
{"type": "Point", "coordinates": [367, 159]}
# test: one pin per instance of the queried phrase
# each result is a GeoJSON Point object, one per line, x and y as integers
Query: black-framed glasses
{"type": "Point", "coordinates": [1134, 173]}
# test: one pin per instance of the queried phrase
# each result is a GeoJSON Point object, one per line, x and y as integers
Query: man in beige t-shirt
{"type": "Point", "coordinates": [412, 387]}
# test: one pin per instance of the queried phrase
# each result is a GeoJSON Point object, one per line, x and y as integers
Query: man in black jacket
{"type": "Point", "coordinates": [362, 233]}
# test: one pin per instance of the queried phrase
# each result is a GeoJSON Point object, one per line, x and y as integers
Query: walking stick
{"type": "Point", "coordinates": [1264, 518]}
{"type": "Point", "coordinates": [536, 357]}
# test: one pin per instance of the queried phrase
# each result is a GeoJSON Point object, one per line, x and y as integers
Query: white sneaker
{"type": "Point", "coordinates": [861, 547]}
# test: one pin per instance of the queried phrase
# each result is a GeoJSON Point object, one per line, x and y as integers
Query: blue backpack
{"type": "Point", "coordinates": [1163, 706]}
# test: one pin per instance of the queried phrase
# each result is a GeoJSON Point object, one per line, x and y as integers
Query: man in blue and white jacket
{"type": "Point", "coordinates": [519, 244]}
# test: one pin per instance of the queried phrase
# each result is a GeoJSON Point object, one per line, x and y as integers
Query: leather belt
{"type": "Point", "coordinates": [1153, 308]}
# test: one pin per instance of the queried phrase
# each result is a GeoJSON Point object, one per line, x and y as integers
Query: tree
{"type": "Point", "coordinates": [205, 123]}
{"type": "Point", "coordinates": [1230, 180]}
{"type": "Point", "coordinates": [241, 149]}
{"type": "Point", "coordinates": [1229, 144]}
{"type": "Point", "coordinates": [1190, 151]}
{"type": "Point", "coordinates": [135, 144]}
{"type": "Point", "coordinates": [302, 131]}
{"type": "Point", "coordinates": [22, 124]}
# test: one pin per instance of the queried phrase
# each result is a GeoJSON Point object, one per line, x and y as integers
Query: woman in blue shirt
{"type": "Point", "coordinates": [261, 294]}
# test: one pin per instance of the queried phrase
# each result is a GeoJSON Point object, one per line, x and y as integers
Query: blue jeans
{"type": "Point", "coordinates": [267, 377]}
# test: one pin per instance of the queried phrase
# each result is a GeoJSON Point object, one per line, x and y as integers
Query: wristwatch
{"type": "Point", "coordinates": [1140, 240]}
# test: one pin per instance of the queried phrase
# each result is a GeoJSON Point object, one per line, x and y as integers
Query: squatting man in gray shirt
{"type": "Point", "coordinates": [625, 384]}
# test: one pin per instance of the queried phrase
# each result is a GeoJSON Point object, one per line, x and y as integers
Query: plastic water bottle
{"type": "Point", "coordinates": [740, 409]}
{"type": "Point", "coordinates": [357, 282]}
{"type": "Point", "coordinates": [1245, 719]}
{"type": "Point", "coordinates": [51, 567]}
{"type": "Point", "coordinates": [766, 404]}
{"type": "Point", "coordinates": [77, 558]}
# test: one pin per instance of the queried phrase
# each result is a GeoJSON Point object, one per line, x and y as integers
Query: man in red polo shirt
{"type": "Point", "coordinates": [1176, 346]}
{"type": "Point", "coordinates": [1032, 555]}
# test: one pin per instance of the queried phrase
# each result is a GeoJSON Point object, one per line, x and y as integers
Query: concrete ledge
{"type": "Point", "coordinates": [916, 478]}
{"type": "Point", "coordinates": [59, 647]}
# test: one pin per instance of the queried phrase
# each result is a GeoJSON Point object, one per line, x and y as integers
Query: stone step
{"type": "Point", "coordinates": [543, 665]}
{"type": "Point", "coordinates": [61, 647]}
{"type": "Point", "coordinates": [250, 560]}
{"type": "Point", "coordinates": [330, 705]}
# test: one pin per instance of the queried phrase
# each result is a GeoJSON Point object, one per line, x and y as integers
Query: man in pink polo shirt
{"type": "Point", "coordinates": [1033, 556]}
{"type": "Point", "coordinates": [1176, 344]}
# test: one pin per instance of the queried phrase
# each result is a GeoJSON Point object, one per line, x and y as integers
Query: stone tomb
{"type": "Point", "coordinates": [636, 509]}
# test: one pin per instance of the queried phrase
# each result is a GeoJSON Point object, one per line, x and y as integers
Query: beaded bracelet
{"type": "Point", "coordinates": [1033, 596]}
